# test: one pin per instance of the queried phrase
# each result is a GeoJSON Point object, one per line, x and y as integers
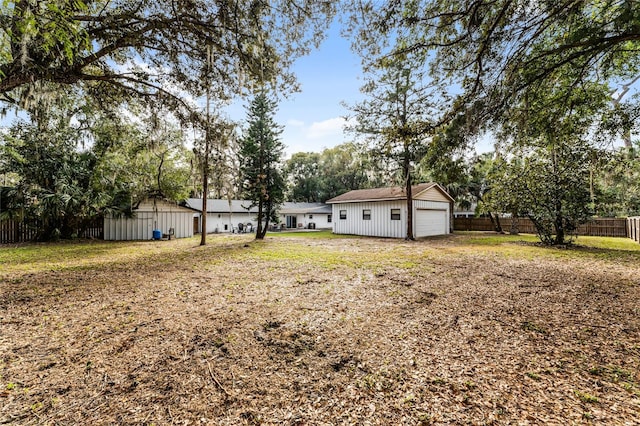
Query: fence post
{"type": "Point", "coordinates": [633, 228]}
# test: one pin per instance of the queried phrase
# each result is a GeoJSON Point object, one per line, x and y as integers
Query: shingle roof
{"type": "Point", "coordinates": [305, 208]}
{"type": "Point", "coordinates": [380, 194]}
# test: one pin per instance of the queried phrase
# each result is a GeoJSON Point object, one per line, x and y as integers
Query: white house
{"type": "Point", "coordinates": [149, 215]}
{"type": "Point", "coordinates": [382, 212]}
{"type": "Point", "coordinates": [223, 215]}
{"type": "Point", "coordinates": [227, 215]}
{"type": "Point", "coordinates": [306, 215]}
{"type": "Point", "coordinates": [468, 211]}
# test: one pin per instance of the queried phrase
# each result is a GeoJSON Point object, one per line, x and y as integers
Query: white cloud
{"type": "Point", "coordinates": [293, 148]}
{"type": "Point", "coordinates": [323, 129]}
{"type": "Point", "coordinates": [313, 137]}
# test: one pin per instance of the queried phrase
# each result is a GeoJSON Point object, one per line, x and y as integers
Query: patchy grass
{"type": "Point", "coordinates": [315, 328]}
{"type": "Point", "coordinates": [493, 239]}
{"type": "Point", "coordinates": [319, 234]}
{"type": "Point", "coordinates": [608, 248]}
{"type": "Point", "coordinates": [39, 257]}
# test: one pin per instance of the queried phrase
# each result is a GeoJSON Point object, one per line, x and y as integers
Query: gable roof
{"type": "Point", "coordinates": [386, 194]}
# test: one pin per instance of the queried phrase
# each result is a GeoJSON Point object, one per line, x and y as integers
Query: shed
{"type": "Point", "coordinates": [382, 212]}
{"type": "Point", "coordinates": [150, 214]}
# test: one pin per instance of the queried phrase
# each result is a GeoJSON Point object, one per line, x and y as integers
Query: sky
{"type": "Point", "coordinates": [313, 118]}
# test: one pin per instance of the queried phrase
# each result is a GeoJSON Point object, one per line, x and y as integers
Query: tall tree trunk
{"type": "Point", "coordinates": [592, 194]}
{"type": "Point", "coordinates": [558, 223]}
{"type": "Point", "coordinates": [262, 229]}
{"type": "Point", "coordinates": [159, 173]}
{"type": "Point", "coordinates": [559, 229]}
{"type": "Point", "coordinates": [260, 233]}
{"type": "Point", "coordinates": [409, 209]}
{"type": "Point", "coordinates": [205, 186]}
{"type": "Point", "coordinates": [266, 219]}
{"type": "Point", "coordinates": [558, 219]}
{"type": "Point", "coordinates": [406, 170]}
{"type": "Point", "coordinates": [203, 214]}
{"type": "Point", "coordinates": [205, 166]}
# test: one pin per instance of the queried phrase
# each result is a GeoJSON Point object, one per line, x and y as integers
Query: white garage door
{"type": "Point", "coordinates": [430, 222]}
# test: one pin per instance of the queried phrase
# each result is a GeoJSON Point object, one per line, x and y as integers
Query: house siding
{"type": "Point", "coordinates": [217, 221]}
{"type": "Point", "coordinates": [231, 213]}
{"type": "Point", "coordinates": [432, 194]}
{"type": "Point", "coordinates": [150, 216]}
{"type": "Point", "coordinates": [321, 220]}
{"type": "Point", "coordinates": [380, 224]}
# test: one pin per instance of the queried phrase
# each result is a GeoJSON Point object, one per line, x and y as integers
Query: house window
{"type": "Point", "coordinates": [310, 216]}
{"type": "Point", "coordinates": [328, 218]}
{"type": "Point", "coordinates": [343, 214]}
{"type": "Point", "coordinates": [366, 214]}
{"type": "Point", "coordinates": [395, 214]}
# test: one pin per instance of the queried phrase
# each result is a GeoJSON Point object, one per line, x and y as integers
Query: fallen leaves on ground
{"type": "Point", "coordinates": [316, 332]}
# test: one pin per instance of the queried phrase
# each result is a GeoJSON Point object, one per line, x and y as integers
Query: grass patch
{"type": "Point", "coordinates": [63, 255]}
{"type": "Point", "coordinates": [585, 397]}
{"type": "Point", "coordinates": [315, 235]}
{"type": "Point", "coordinates": [528, 246]}
{"type": "Point", "coordinates": [609, 243]}
{"type": "Point", "coordinates": [530, 326]}
{"type": "Point", "coordinates": [299, 254]}
{"type": "Point", "coordinates": [618, 375]}
{"type": "Point", "coordinates": [533, 376]}
{"type": "Point", "coordinates": [83, 254]}
{"type": "Point", "coordinates": [492, 239]}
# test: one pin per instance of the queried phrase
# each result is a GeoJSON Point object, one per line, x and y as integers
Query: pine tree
{"type": "Point", "coordinates": [394, 119]}
{"type": "Point", "coordinates": [261, 153]}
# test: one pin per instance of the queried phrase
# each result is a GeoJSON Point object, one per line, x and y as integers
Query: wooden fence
{"type": "Point", "coordinates": [633, 228]}
{"type": "Point", "coordinates": [12, 231]}
{"type": "Point", "coordinates": [601, 227]}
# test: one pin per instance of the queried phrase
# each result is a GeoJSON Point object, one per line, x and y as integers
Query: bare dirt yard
{"type": "Point", "coordinates": [311, 329]}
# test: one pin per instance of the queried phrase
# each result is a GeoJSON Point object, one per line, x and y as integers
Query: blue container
{"type": "Point", "coordinates": [157, 234]}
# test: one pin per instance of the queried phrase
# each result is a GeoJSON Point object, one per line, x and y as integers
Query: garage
{"type": "Point", "coordinates": [430, 222]}
{"type": "Point", "coordinates": [383, 212]}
